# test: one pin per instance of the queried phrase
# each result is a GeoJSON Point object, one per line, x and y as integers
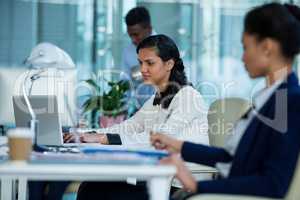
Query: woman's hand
{"type": "Point", "coordinates": [183, 174]}
{"type": "Point", "coordinates": [94, 138]}
{"type": "Point", "coordinates": [161, 141]}
{"type": "Point", "coordinates": [85, 138]}
{"type": "Point", "coordinates": [69, 137]}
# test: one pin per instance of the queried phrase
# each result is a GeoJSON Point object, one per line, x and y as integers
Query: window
{"type": "Point", "coordinates": [93, 32]}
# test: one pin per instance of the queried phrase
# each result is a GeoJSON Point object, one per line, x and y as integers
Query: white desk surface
{"type": "Point", "coordinates": [158, 177]}
{"type": "Point", "coordinates": [82, 171]}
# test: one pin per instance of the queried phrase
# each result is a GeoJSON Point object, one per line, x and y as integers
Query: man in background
{"type": "Point", "coordinates": [138, 22]}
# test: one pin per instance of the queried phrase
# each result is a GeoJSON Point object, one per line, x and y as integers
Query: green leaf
{"type": "Point", "coordinates": [110, 103]}
{"type": "Point", "coordinates": [92, 104]}
{"type": "Point", "coordinates": [93, 83]}
{"type": "Point", "coordinates": [111, 83]}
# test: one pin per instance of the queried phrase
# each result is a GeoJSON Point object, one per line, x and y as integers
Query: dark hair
{"type": "Point", "coordinates": [278, 22]}
{"type": "Point", "coordinates": [138, 15]}
{"type": "Point", "coordinates": [166, 49]}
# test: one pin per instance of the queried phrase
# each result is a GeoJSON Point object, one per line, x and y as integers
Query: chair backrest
{"type": "Point", "coordinates": [294, 192]}
{"type": "Point", "coordinates": [222, 115]}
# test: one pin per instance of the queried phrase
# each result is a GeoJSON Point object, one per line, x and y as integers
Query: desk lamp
{"type": "Point", "coordinates": [43, 56]}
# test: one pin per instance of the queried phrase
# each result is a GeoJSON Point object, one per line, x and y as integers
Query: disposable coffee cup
{"type": "Point", "coordinates": [20, 143]}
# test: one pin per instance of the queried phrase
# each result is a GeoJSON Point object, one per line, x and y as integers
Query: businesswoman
{"type": "Point", "coordinates": [176, 109]}
{"type": "Point", "coordinates": [260, 157]}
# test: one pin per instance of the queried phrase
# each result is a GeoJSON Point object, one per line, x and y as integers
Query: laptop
{"type": "Point", "coordinates": [49, 126]}
{"type": "Point", "coordinates": [46, 110]}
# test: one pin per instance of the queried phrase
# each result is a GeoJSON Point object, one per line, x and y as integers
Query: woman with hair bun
{"type": "Point", "coordinates": [260, 157]}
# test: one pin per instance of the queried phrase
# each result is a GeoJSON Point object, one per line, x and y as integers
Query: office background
{"type": "Point", "coordinates": [93, 32]}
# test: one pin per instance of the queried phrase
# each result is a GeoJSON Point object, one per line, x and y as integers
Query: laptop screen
{"type": "Point", "coordinates": [46, 109]}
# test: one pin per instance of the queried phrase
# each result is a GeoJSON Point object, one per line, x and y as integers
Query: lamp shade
{"type": "Point", "coordinates": [47, 55]}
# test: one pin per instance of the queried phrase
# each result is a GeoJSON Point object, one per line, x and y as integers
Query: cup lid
{"type": "Point", "coordinates": [20, 132]}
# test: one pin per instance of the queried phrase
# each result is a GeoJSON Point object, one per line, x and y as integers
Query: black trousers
{"type": "Point", "coordinates": [112, 191]}
{"type": "Point", "coordinates": [55, 191]}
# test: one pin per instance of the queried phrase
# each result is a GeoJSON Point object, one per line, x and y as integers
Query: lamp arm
{"type": "Point", "coordinates": [33, 78]}
{"type": "Point", "coordinates": [31, 85]}
{"type": "Point", "coordinates": [33, 121]}
{"type": "Point", "coordinates": [28, 104]}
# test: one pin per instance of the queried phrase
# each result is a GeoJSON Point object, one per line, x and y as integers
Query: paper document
{"type": "Point", "coordinates": [92, 158]}
{"type": "Point", "coordinates": [157, 154]}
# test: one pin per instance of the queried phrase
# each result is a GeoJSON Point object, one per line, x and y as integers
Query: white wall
{"type": "Point", "coordinates": [10, 82]}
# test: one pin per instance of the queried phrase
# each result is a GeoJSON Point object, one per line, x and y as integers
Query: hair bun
{"type": "Point", "coordinates": [294, 10]}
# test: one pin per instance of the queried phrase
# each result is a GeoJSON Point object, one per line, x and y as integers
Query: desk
{"type": "Point", "coordinates": [157, 177]}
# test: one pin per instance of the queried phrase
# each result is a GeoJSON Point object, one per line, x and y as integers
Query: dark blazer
{"type": "Point", "coordinates": [266, 156]}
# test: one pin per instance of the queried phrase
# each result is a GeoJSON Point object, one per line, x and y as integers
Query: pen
{"type": "Point", "coordinates": [168, 116]}
{"type": "Point", "coordinates": [164, 121]}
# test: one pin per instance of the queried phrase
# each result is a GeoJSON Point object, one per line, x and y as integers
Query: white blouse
{"type": "Point", "coordinates": [185, 119]}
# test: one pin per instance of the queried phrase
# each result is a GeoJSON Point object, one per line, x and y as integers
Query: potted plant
{"type": "Point", "coordinates": [109, 104]}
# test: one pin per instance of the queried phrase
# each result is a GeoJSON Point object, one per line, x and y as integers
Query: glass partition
{"type": "Point", "coordinates": [93, 32]}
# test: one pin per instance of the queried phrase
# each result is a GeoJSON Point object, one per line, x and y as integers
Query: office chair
{"type": "Point", "coordinates": [222, 115]}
